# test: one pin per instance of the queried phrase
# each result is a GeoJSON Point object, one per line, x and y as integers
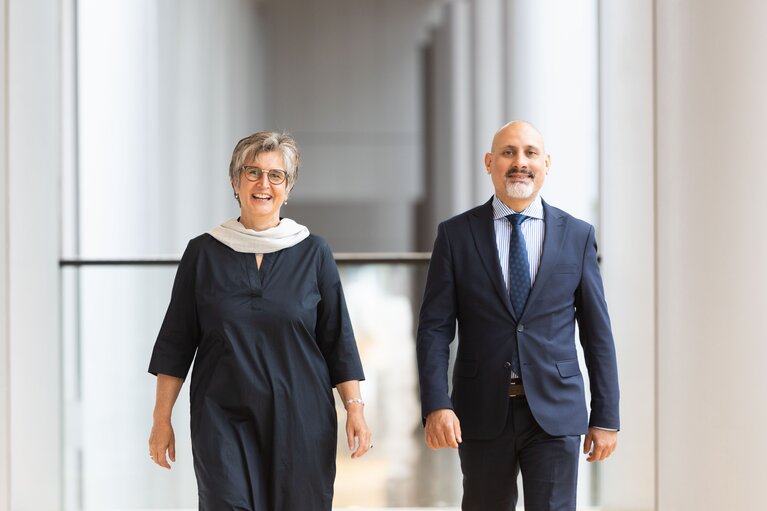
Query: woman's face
{"type": "Point", "coordinates": [261, 200]}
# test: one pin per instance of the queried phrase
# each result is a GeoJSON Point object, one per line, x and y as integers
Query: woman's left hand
{"type": "Point", "coordinates": [357, 429]}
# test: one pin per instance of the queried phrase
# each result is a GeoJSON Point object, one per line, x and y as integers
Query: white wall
{"type": "Point", "coordinates": [4, 272]}
{"type": "Point", "coordinates": [627, 235]}
{"type": "Point", "coordinates": [711, 253]}
{"type": "Point", "coordinates": [32, 248]}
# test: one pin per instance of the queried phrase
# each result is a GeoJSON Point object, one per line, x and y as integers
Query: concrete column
{"type": "Point", "coordinates": [460, 113]}
{"type": "Point", "coordinates": [488, 88]}
{"type": "Point", "coordinates": [452, 165]}
{"type": "Point", "coordinates": [551, 80]}
{"type": "Point", "coordinates": [627, 232]}
{"type": "Point", "coordinates": [711, 253]}
{"type": "Point", "coordinates": [32, 208]}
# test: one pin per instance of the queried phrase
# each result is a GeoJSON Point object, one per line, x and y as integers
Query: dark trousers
{"type": "Point", "coordinates": [549, 466]}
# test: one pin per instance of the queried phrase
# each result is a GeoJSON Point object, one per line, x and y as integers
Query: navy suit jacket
{"type": "Point", "coordinates": [465, 285]}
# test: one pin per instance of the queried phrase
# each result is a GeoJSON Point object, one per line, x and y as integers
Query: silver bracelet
{"type": "Point", "coordinates": [352, 401]}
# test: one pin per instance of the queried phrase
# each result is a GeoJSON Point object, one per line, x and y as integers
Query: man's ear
{"type": "Point", "coordinates": [488, 161]}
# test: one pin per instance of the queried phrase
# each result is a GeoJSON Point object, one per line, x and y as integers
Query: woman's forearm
{"type": "Point", "coordinates": [350, 394]}
{"type": "Point", "coordinates": [168, 388]}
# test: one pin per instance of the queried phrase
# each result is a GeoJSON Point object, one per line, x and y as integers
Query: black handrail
{"type": "Point", "coordinates": [346, 258]}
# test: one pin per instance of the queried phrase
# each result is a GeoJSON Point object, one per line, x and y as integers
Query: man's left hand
{"type": "Point", "coordinates": [599, 444]}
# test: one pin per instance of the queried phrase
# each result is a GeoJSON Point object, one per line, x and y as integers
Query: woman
{"type": "Point", "coordinates": [259, 301]}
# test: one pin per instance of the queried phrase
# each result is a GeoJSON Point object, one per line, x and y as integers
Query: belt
{"type": "Point", "coordinates": [516, 389]}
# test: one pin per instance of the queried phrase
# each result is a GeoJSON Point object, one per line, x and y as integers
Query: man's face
{"type": "Point", "coordinates": [518, 164]}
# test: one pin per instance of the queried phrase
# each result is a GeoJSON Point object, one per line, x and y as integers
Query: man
{"type": "Point", "coordinates": [516, 274]}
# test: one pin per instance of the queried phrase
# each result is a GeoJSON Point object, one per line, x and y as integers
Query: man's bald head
{"type": "Point", "coordinates": [518, 126]}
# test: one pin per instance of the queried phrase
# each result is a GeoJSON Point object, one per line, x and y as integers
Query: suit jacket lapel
{"type": "Point", "coordinates": [553, 239]}
{"type": "Point", "coordinates": [481, 222]}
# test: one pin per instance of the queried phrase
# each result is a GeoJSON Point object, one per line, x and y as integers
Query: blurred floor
{"type": "Point", "coordinates": [580, 508]}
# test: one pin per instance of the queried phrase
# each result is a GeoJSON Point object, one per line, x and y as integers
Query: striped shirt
{"type": "Point", "coordinates": [533, 230]}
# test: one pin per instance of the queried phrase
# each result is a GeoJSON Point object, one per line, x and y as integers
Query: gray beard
{"type": "Point", "coordinates": [519, 190]}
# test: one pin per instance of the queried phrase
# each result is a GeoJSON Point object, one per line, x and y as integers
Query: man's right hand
{"type": "Point", "coordinates": [443, 429]}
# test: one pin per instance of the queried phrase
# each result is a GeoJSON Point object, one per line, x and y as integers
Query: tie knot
{"type": "Point", "coordinates": [517, 219]}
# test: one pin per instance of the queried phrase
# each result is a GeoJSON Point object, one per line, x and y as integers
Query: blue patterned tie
{"type": "Point", "coordinates": [519, 269]}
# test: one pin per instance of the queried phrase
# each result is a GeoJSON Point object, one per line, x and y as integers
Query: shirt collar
{"type": "Point", "coordinates": [501, 210]}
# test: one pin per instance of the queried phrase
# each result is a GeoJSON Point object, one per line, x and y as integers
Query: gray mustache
{"type": "Point", "coordinates": [520, 172]}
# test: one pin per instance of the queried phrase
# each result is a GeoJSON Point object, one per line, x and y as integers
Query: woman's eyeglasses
{"type": "Point", "coordinates": [275, 176]}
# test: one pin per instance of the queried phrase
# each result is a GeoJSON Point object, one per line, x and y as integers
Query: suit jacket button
{"type": "Point", "coordinates": [520, 328]}
{"type": "Point", "coordinates": [507, 364]}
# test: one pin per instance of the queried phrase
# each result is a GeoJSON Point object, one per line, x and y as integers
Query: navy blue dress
{"type": "Point", "coordinates": [270, 344]}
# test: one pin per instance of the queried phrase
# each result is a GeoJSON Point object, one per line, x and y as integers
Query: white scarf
{"type": "Point", "coordinates": [240, 239]}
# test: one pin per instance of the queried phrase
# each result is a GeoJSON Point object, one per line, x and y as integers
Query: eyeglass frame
{"type": "Point", "coordinates": [245, 169]}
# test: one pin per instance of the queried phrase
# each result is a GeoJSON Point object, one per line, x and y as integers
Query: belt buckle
{"type": "Point", "coordinates": [516, 389]}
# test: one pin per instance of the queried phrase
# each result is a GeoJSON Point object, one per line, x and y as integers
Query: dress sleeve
{"type": "Point", "coordinates": [334, 333]}
{"type": "Point", "coordinates": [179, 335]}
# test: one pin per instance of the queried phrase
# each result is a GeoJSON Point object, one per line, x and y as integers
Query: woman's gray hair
{"type": "Point", "coordinates": [265, 142]}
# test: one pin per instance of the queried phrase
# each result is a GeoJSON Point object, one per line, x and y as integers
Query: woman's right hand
{"type": "Point", "coordinates": [162, 440]}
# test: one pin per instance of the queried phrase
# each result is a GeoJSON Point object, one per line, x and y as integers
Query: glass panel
{"type": "Point", "coordinates": [400, 471]}
{"type": "Point", "coordinates": [109, 396]}
{"type": "Point", "coordinates": [120, 312]}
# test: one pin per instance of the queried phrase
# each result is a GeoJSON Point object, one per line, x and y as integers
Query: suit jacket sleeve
{"type": "Point", "coordinates": [597, 341]}
{"type": "Point", "coordinates": [436, 327]}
